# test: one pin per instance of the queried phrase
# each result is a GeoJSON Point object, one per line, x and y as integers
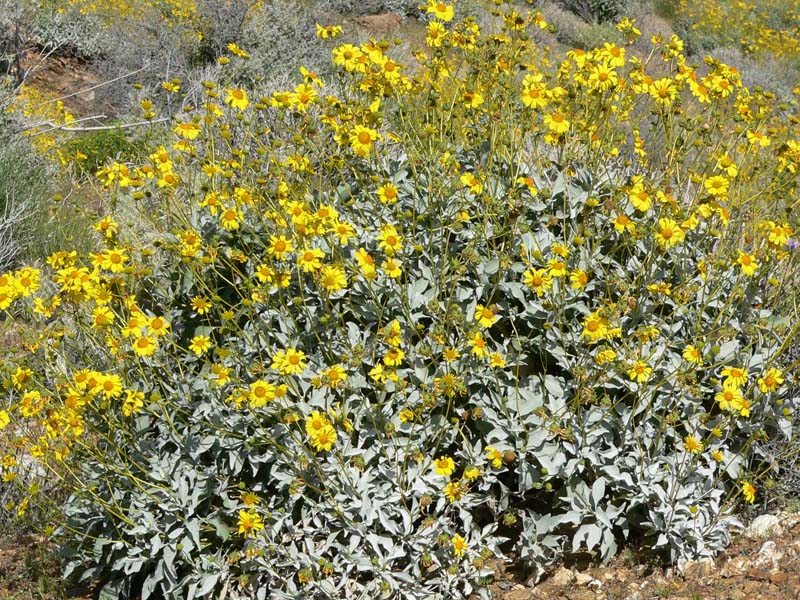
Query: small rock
{"type": "Point", "coordinates": [692, 569]}
{"type": "Point", "coordinates": [778, 578]}
{"type": "Point", "coordinates": [519, 594]}
{"type": "Point", "coordinates": [734, 567]}
{"type": "Point", "coordinates": [768, 556]}
{"type": "Point", "coordinates": [562, 577]}
{"type": "Point", "coordinates": [764, 525]}
{"type": "Point", "coordinates": [583, 579]}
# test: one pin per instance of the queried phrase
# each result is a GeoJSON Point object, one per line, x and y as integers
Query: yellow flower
{"type": "Point", "coordinates": [478, 344]}
{"type": "Point", "coordinates": [454, 491]}
{"type": "Point", "coordinates": [336, 376]}
{"type": "Point", "coordinates": [717, 186]}
{"type": "Point", "coordinates": [693, 355]}
{"type": "Point", "coordinates": [692, 444]}
{"type": "Point", "coordinates": [622, 224]}
{"type": "Point", "coordinates": [494, 456]}
{"type": "Point", "coordinates": [473, 183]}
{"type": "Point", "coordinates": [538, 280]}
{"type": "Point", "coordinates": [230, 218]}
{"type": "Point", "coordinates": [361, 140]}
{"type": "Point", "coordinates": [734, 376]}
{"type": "Point", "coordinates": [310, 259]}
{"type": "Point", "coordinates": [770, 380]}
{"type": "Point", "coordinates": [640, 197]}
{"type": "Point", "coordinates": [330, 31]}
{"type": "Point", "coordinates": [749, 492]}
{"type": "Point", "coordinates": [444, 466]}
{"type": "Point", "coordinates": [200, 344]}
{"type": "Point", "coordinates": [393, 357]}
{"type": "Point", "coordinates": [392, 267]}
{"type": "Point", "coordinates": [323, 439]}
{"type": "Point", "coordinates": [578, 279]}
{"type": "Point", "coordinates": [200, 304]}
{"type": "Point", "coordinates": [440, 10]}
{"type": "Point", "coordinates": [748, 263]}
{"type": "Point", "coordinates": [485, 316]}
{"type": "Point", "coordinates": [663, 91]}
{"type": "Point", "coordinates": [332, 278]}
{"type": "Point", "coordinates": [289, 362]}
{"type": "Point", "coordinates": [639, 371]}
{"type": "Point", "coordinates": [261, 393]}
{"type": "Point", "coordinates": [389, 240]}
{"type": "Point", "coordinates": [249, 523]}
{"type": "Point", "coordinates": [4, 419]}
{"type": "Point", "coordinates": [387, 193]}
{"type": "Point", "coordinates": [436, 34]}
{"type": "Point", "coordinates": [669, 233]}
{"type": "Point", "coordinates": [459, 545]}
{"type": "Point", "coordinates": [556, 122]}
{"type": "Point", "coordinates": [595, 327]}
{"type": "Point", "coordinates": [134, 401]}
{"type": "Point", "coordinates": [188, 131]}
{"type": "Point", "coordinates": [144, 346]}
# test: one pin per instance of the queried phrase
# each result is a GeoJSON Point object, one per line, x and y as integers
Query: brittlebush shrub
{"type": "Point", "coordinates": [493, 303]}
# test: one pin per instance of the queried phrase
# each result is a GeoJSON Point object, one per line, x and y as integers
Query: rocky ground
{"type": "Point", "coordinates": [762, 563]}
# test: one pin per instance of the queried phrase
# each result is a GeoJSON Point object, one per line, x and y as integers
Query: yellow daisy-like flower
{"type": "Point", "coordinates": [279, 247]}
{"type": "Point", "coordinates": [237, 98]}
{"type": "Point", "coordinates": [639, 371]}
{"type": "Point", "coordinates": [200, 344]}
{"type": "Point", "coordinates": [578, 279]}
{"type": "Point", "coordinates": [494, 456]}
{"type": "Point", "coordinates": [249, 523]}
{"type": "Point", "coordinates": [538, 280]}
{"type": "Point", "coordinates": [459, 545]}
{"type": "Point", "coordinates": [444, 466]}
{"type": "Point", "coordinates": [669, 233]}
{"type": "Point", "coordinates": [388, 193]}
{"type": "Point", "coordinates": [310, 259]}
{"type": "Point", "coordinates": [289, 362]}
{"type": "Point", "coordinates": [361, 140]}
{"type": "Point", "coordinates": [336, 376]}
{"type": "Point", "coordinates": [454, 491]}
{"type": "Point", "coordinates": [734, 376]}
{"type": "Point", "coordinates": [332, 278]}
{"type": "Point", "coordinates": [749, 492]}
{"type": "Point", "coordinates": [324, 439]}
{"type": "Point", "coordinates": [692, 444]}
{"type": "Point", "coordinates": [717, 186]}
{"type": "Point", "coordinates": [188, 131]}
{"type": "Point", "coordinates": [485, 316]}
{"type": "Point", "coordinates": [393, 357]}
{"type": "Point", "coordinates": [145, 346]}
{"type": "Point", "coordinates": [557, 123]}
{"type": "Point", "coordinates": [440, 10]}
{"type": "Point", "coordinates": [771, 380]}
{"type": "Point", "coordinates": [663, 91]}
{"type": "Point", "coordinates": [389, 240]}
{"type": "Point", "coordinates": [748, 263]}
{"type": "Point", "coordinates": [693, 355]}
{"type": "Point", "coordinates": [133, 404]}
{"type": "Point", "coordinates": [261, 393]}
{"type": "Point", "coordinates": [230, 218]}
{"type": "Point", "coordinates": [392, 267]}
{"type": "Point", "coordinates": [622, 223]}
{"type": "Point", "coordinates": [595, 327]}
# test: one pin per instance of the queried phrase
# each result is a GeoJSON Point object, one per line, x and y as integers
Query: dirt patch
{"type": "Point", "coordinates": [67, 78]}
